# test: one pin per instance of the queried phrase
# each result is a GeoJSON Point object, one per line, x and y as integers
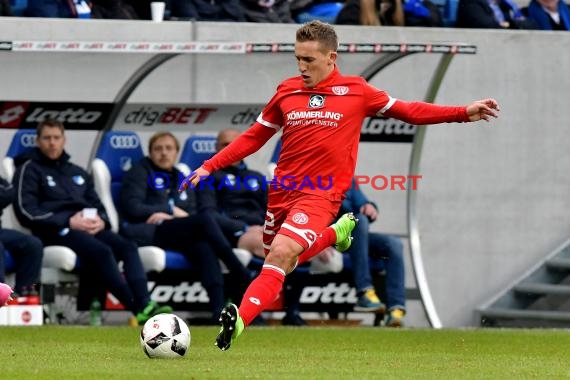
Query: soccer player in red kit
{"type": "Point", "coordinates": [320, 113]}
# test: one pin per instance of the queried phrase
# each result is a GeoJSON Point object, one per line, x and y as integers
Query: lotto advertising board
{"type": "Point", "coordinates": [24, 114]}
{"type": "Point", "coordinates": [322, 292]}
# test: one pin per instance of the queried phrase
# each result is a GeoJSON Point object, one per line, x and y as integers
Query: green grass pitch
{"type": "Point", "coordinates": [71, 352]}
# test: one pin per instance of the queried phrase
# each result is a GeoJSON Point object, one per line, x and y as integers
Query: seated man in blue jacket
{"type": "Point", "coordinates": [387, 247]}
{"type": "Point", "coordinates": [153, 212]}
{"type": "Point", "coordinates": [56, 199]}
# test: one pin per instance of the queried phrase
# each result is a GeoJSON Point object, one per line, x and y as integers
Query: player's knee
{"type": "Point", "coordinates": [282, 256]}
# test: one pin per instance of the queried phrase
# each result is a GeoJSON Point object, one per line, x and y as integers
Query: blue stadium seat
{"type": "Point", "coordinates": [118, 151]}
{"type": "Point", "coordinates": [23, 141]}
{"type": "Point", "coordinates": [197, 149]}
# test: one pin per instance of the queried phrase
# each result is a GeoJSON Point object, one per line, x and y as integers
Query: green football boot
{"type": "Point", "coordinates": [343, 228]}
{"type": "Point", "coordinates": [232, 327]}
{"type": "Point", "coordinates": [150, 310]}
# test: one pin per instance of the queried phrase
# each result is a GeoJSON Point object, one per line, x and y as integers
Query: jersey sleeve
{"type": "Point", "coordinates": [247, 143]}
{"type": "Point", "coordinates": [272, 116]}
{"type": "Point", "coordinates": [421, 113]}
{"type": "Point", "coordinates": [377, 101]}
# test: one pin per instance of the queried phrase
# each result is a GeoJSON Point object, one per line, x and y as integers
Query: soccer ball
{"type": "Point", "coordinates": [165, 336]}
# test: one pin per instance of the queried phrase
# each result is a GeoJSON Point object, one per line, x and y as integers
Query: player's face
{"type": "Point", "coordinates": [51, 142]}
{"type": "Point", "coordinates": [163, 153]}
{"type": "Point", "coordinates": [314, 62]}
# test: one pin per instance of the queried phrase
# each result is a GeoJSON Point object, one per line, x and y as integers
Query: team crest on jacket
{"type": "Point", "coordinates": [340, 90]}
{"type": "Point", "coordinates": [78, 180]}
{"type": "Point", "coordinates": [50, 181]}
{"type": "Point", "coordinates": [230, 180]}
{"type": "Point", "coordinates": [300, 218]}
{"type": "Point", "coordinates": [316, 101]}
{"type": "Point", "coordinates": [253, 184]}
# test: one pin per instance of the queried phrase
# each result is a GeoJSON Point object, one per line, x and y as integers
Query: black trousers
{"type": "Point", "coordinates": [27, 252]}
{"type": "Point", "coordinates": [99, 255]}
{"type": "Point", "coordinates": [181, 234]}
{"type": "Point", "coordinates": [201, 240]}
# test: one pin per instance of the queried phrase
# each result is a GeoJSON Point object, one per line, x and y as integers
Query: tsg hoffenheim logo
{"type": "Point", "coordinates": [126, 163]}
{"type": "Point", "coordinates": [78, 180]}
{"type": "Point", "coordinates": [316, 101]}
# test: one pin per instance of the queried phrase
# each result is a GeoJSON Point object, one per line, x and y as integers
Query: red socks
{"type": "Point", "coordinates": [325, 239]}
{"type": "Point", "coordinates": [266, 287]}
{"type": "Point", "coordinates": [261, 292]}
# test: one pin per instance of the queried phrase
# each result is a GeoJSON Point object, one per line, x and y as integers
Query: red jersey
{"type": "Point", "coordinates": [321, 130]}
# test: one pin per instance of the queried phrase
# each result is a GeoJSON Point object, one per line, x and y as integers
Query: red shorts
{"type": "Point", "coordinates": [300, 216]}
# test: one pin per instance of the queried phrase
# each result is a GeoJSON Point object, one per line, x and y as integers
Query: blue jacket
{"type": "Point", "coordinates": [141, 196]}
{"type": "Point", "coordinates": [49, 192]}
{"type": "Point", "coordinates": [237, 198]}
{"type": "Point", "coordinates": [539, 15]}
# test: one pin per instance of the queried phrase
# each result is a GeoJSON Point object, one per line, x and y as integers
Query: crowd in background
{"type": "Point", "coordinates": [505, 14]}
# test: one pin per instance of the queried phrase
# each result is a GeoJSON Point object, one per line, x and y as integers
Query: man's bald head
{"type": "Point", "coordinates": [225, 137]}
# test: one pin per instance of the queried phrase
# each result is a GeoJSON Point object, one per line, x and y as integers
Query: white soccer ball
{"type": "Point", "coordinates": [165, 336]}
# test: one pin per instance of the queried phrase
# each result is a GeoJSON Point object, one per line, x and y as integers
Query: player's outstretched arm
{"type": "Point", "coordinates": [483, 110]}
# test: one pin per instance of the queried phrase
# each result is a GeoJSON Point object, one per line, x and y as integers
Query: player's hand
{"type": "Point", "coordinates": [483, 110]}
{"type": "Point", "coordinates": [193, 179]}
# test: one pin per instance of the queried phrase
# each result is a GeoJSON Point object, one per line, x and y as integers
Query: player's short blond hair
{"type": "Point", "coordinates": [318, 31]}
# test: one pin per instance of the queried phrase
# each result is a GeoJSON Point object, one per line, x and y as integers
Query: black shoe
{"type": "Point", "coordinates": [293, 320]}
{"type": "Point", "coordinates": [232, 326]}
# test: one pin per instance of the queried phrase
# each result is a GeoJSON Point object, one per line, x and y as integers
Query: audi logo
{"type": "Point", "coordinates": [28, 140]}
{"type": "Point", "coordinates": [124, 142]}
{"type": "Point", "coordinates": [204, 146]}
